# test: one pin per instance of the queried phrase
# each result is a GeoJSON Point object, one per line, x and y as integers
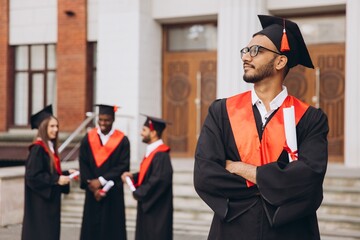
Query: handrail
{"type": "Point", "coordinates": [90, 117]}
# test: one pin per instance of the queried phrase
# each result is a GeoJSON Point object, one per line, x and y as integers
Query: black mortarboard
{"type": "Point", "coordinates": [107, 109]}
{"type": "Point", "coordinates": [38, 117]}
{"type": "Point", "coordinates": [154, 123]}
{"type": "Point", "coordinates": [274, 28]}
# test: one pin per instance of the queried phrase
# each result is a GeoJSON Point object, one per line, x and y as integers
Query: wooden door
{"type": "Point", "coordinates": [329, 59]}
{"type": "Point", "coordinates": [189, 87]}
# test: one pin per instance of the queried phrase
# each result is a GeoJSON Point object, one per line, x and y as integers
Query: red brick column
{"type": "Point", "coordinates": [71, 63]}
{"type": "Point", "coordinates": [5, 91]}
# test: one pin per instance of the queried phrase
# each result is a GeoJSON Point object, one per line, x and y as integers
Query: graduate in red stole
{"type": "Point", "coordinates": [257, 185]}
{"type": "Point", "coordinates": [44, 180]}
{"type": "Point", "coordinates": [153, 184]}
{"type": "Point", "coordinates": [104, 155]}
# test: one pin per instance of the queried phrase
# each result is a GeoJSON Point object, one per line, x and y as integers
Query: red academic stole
{"type": "Point", "coordinates": [56, 157]}
{"type": "Point", "coordinates": [243, 125]}
{"type": "Point", "coordinates": [102, 152]}
{"type": "Point", "coordinates": [145, 164]}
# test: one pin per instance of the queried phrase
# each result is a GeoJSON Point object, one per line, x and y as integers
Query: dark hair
{"type": "Point", "coordinates": [43, 135]}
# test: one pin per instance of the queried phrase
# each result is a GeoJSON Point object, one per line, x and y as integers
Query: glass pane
{"type": "Point", "coordinates": [37, 92]}
{"type": "Point", "coordinates": [38, 57]}
{"type": "Point", "coordinates": [195, 37]}
{"type": "Point", "coordinates": [21, 58]}
{"type": "Point", "coordinates": [323, 29]}
{"type": "Point", "coordinates": [51, 57]}
{"type": "Point", "coordinates": [21, 99]}
{"type": "Point", "coordinates": [51, 88]}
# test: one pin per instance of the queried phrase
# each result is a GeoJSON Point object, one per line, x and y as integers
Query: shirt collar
{"type": "Point", "coordinates": [275, 103]}
{"type": "Point", "coordinates": [152, 146]}
{"type": "Point", "coordinates": [106, 135]}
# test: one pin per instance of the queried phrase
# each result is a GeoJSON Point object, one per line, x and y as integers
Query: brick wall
{"type": "Point", "coordinates": [4, 65]}
{"type": "Point", "coordinates": [73, 101]}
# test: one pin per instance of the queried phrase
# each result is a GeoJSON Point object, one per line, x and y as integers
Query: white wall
{"type": "Point", "coordinates": [352, 86]}
{"type": "Point", "coordinates": [304, 6]}
{"type": "Point", "coordinates": [129, 63]}
{"type": "Point", "coordinates": [170, 10]}
{"type": "Point", "coordinates": [33, 21]}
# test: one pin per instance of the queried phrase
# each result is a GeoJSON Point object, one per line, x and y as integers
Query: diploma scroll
{"type": "Point", "coordinates": [290, 133]}
{"type": "Point", "coordinates": [74, 175]}
{"type": "Point", "coordinates": [130, 183]}
{"type": "Point", "coordinates": [107, 187]}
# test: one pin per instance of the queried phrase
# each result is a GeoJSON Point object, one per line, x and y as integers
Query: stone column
{"type": "Point", "coordinates": [129, 63]}
{"type": "Point", "coordinates": [237, 22]}
{"type": "Point", "coordinates": [352, 85]}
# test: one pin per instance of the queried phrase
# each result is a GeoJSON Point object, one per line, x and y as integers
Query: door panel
{"type": "Point", "coordinates": [183, 74]}
{"type": "Point", "coordinates": [301, 82]}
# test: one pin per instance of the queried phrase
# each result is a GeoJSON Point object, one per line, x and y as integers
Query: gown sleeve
{"type": "Point", "coordinates": [38, 175]}
{"type": "Point", "coordinates": [294, 191]}
{"type": "Point", "coordinates": [225, 193]}
{"type": "Point", "coordinates": [151, 190]}
{"type": "Point", "coordinates": [84, 163]}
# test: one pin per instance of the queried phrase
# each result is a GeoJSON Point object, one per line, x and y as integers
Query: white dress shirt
{"type": "Point", "coordinates": [274, 104]}
{"type": "Point", "coordinates": [151, 147]}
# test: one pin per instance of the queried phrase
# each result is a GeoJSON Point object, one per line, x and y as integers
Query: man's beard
{"type": "Point", "coordinates": [263, 72]}
{"type": "Point", "coordinates": [146, 139]}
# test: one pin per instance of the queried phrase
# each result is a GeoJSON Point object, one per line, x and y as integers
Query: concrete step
{"type": "Point", "coordinates": [331, 207]}
{"type": "Point", "coordinates": [336, 235]}
{"type": "Point", "coordinates": [339, 223]}
{"type": "Point", "coordinates": [339, 214]}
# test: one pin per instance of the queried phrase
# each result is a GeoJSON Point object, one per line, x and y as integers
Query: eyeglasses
{"type": "Point", "coordinates": [254, 50]}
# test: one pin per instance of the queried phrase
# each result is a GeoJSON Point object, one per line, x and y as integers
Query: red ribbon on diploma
{"type": "Point", "coordinates": [293, 154]}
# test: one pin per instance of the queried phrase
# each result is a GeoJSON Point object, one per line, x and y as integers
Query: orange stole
{"type": "Point", "coordinates": [145, 164]}
{"type": "Point", "coordinates": [102, 152]}
{"type": "Point", "coordinates": [56, 157]}
{"type": "Point", "coordinates": [243, 125]}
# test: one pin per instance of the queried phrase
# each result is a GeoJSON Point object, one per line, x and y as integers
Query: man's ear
{"type": "Point", "coordinates": [153, 134]}
{"type": "Point", "coordinates": [281, 62]}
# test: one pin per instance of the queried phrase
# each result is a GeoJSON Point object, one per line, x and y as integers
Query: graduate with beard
{"type": "Point", "coordinates": [44, 180]}
{"type": "Point", "coordinates": [104, 156]}
{"type": "Point", "coordinates": [245, 170]}
{"type": "Point", "coordinates": [153, 184]}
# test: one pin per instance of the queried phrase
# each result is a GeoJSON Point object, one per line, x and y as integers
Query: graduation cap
{"type": "Point", "coordinates": [287, 38]}
{"type": "Point", "coordinates": [154, 123]}
{"type": "Point", "coordinates": [107, 109]}
{"type": "Point", "coordinates": [38, 117]}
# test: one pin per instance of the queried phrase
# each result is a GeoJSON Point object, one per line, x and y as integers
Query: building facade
{"type": "Point", "coordinates": [170, 59]}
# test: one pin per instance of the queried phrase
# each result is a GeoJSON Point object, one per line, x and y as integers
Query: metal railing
{"type": "Point", "coordinates": [89, 117]}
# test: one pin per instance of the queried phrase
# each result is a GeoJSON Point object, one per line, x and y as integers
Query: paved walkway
{"type": "Point", "coordinates": [13, 232]}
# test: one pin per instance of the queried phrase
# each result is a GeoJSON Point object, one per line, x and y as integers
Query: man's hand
{"type": "Point", "coordinates": [126, 174]}
{"type": "Point", "coordinates": [98, 196]}
{"type": "Point", "coordinates": [244, 170]}
{"type": "Point", "coordinates": [63, 180]}
{"type": "Point", "coordinates": [94, 185]}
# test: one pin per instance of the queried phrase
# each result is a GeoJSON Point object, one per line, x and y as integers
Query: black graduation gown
{"type": "Point", "coordinates": [104, 219]}
{"type": "Point", "coordinates": [42, 197]}
{"type": "Point", "coordinates": [283, 204]}
{"type": "Point", "coordinates": [155, 200]}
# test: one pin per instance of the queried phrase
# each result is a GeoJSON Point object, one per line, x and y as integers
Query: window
{"type": "Point", "coordinates": [196, 37]}
{"type": "Point", "coordinates": [35, 80]}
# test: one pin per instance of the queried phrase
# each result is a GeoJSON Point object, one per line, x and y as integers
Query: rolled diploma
{"type": "Point", "coordinates": [290, 129]}
{"type": "Point", "coordinates": [74, 175]}
{"type": "Point", "coordinates": [108, 185]}
{"type": "Point", "coordinates": [130, 183]}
